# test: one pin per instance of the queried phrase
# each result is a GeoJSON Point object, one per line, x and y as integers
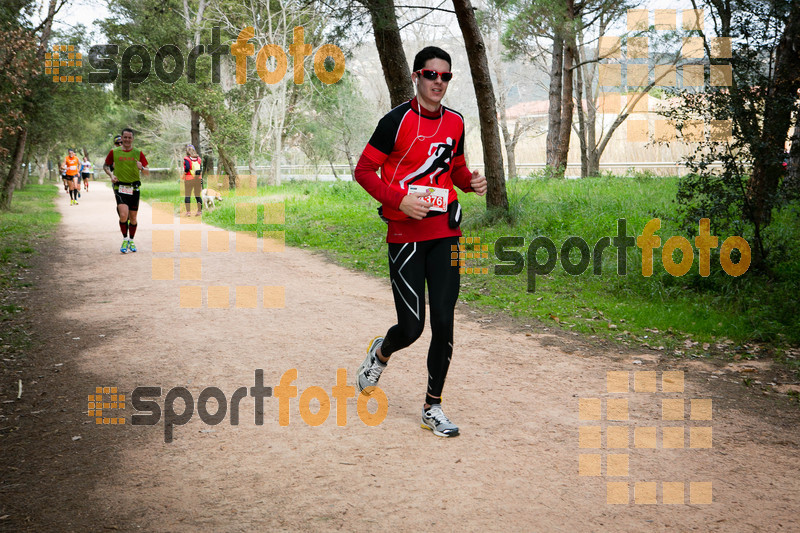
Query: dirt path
{"type": "Point", "coordinates": [104, 320]}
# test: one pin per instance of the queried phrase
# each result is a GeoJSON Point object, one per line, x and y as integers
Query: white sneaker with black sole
{"type": "Point", "coordinates": [433, 418]}
{"type": "Point", "coordinates": [370, 370]}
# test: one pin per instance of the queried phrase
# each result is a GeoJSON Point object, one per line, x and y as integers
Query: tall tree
{"type": "Point", "coordinates": [493, 20]}
{"type": "Point", "coordinates": [161, 29]}
{"type": "Point", "coordinates": [780, 101]}
{"type": "Point", "coordinates": [496, 196]}
{"type": "Point", "coordinates": [758, 104]}
{"type": "Point", "coordinates": [194, 27]}
{"type": "Point", "coordinates": [21, 57]}
{"type": "Point", "coordinates": [390, 50]}
{"type": "Point", "coordinates": [337, 124]}
{"type": "Point", "coordinates": [665, 50]}
{"type": "Point", "coordinates": [557, 21]}
{"type": "Point", "coordinates": [563, 24]}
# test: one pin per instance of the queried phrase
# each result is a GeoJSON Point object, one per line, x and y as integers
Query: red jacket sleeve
{"type": "Point", "coordinates": [142, 159]}
{"type": "Point", "coordinates": [366, 174]}
{"type": "Point", "coordinates": [110, 158]}
{"type": "Point", "coordinates": [460, 174]}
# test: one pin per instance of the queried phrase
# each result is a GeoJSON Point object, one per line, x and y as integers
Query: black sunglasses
{"type": "Point", "coordinates": [433, 74]}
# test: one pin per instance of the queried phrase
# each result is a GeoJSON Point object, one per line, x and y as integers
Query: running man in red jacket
{"type": "Point", "coordinates": [419, 149]}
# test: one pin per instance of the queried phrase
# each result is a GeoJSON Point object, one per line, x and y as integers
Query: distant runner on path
{"type": "Point", "coordinates": [73, 165]}
{"type": "Point", "coordinates": [62, 168]}
{"type": "Point", "coordinates": [127, 164]}
{"type": "Point", "coordinates": [86, 172]}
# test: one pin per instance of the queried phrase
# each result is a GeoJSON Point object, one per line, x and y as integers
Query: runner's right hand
{"type": "Point", "coordinates": [413, 206]}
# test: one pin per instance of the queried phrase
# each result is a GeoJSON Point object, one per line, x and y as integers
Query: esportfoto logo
{"type": "Point", "coordinates": [63, 55]}
{"type": "Point", "coordinates": [149, 412]}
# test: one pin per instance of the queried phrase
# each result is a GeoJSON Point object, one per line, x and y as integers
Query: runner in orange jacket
{"type": "Point", "coordinates": [73, 175]}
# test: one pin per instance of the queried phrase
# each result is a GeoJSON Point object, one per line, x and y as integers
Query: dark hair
{"type": "Point", "coordinates": [126, 129]}
{"type": "Point", "coordinates": [430, 52]}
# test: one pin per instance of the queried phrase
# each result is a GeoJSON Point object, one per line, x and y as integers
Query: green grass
{"type": "Point", "coordinates": [32, 217]}
{"type": "Point", "coordinates": [659, 310]}
{"type": "Point", "coordinates": [31, 220]}
{"type": "Point", "coordinates": [712, 309]}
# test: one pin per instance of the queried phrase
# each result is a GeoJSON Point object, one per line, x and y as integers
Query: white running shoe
{"type": "Point", "coordinates": [434, 419]}
{"type": "Point", "coordinates": [370, 370]}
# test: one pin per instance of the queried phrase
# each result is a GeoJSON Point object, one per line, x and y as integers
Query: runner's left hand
{"type": "Point", "coordinates": [478, 183]}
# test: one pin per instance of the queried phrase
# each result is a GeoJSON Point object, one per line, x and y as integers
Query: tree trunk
{"type": "Point", "coordinates": [593, 162]}
{"type": "Point", "coordinates": [511, 145]}
{"type": "Point", "coordinates": [230, 167]}
{"type": "Point", "coordinates": [227, 163]}
{"type": "Point", "coordinates": [43, 170]}
{"type": "Point", "coordinates": [582, 127]}
{"type": "Point", "coordinates": [278, 123]}
{"type": "Point", "coordinates": [509, 141]}
{"type": "Point", "coordinates": [195, 130]}
{"type": "Point", "coordinates": [10, 182]}
{"type": "Point", "coordinates": [554, 110]}
{"type": "Point", "coordinates": [351, 163]}
{"type": "Point", "coordinates": [567, 107]}
{"type": "Point", "coordinates": [793, 167]}
{"type": "Point", "coordinates": [586, 92]}
{"type": "Point", "coordinates": [335, 175]}
{"type": "Point", "coordinates": [254, 122]}
{"type": "Point", "coordinates": [593, 158]}
{"type": "Point", "coordinates": [768, 163]}
{"type": "Point", "coordinates": [390, 50]}
{"type": "Point", "coordinates": [27, 174]}
{"type": "Point", "coordinates": [208, 164]}
{"type": "Point", "coordinates": [196, 26]}
{"type": "Point", "coordinates": [496, 197]}
{"type": "Point", "coordinates": [275, 169]}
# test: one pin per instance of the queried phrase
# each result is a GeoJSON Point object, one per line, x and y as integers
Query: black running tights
{"type": "Point", "coordinates": [410, 266]}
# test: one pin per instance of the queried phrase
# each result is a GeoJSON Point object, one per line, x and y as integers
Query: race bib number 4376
{"type": "Point", "coordinates": [437, 197]}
